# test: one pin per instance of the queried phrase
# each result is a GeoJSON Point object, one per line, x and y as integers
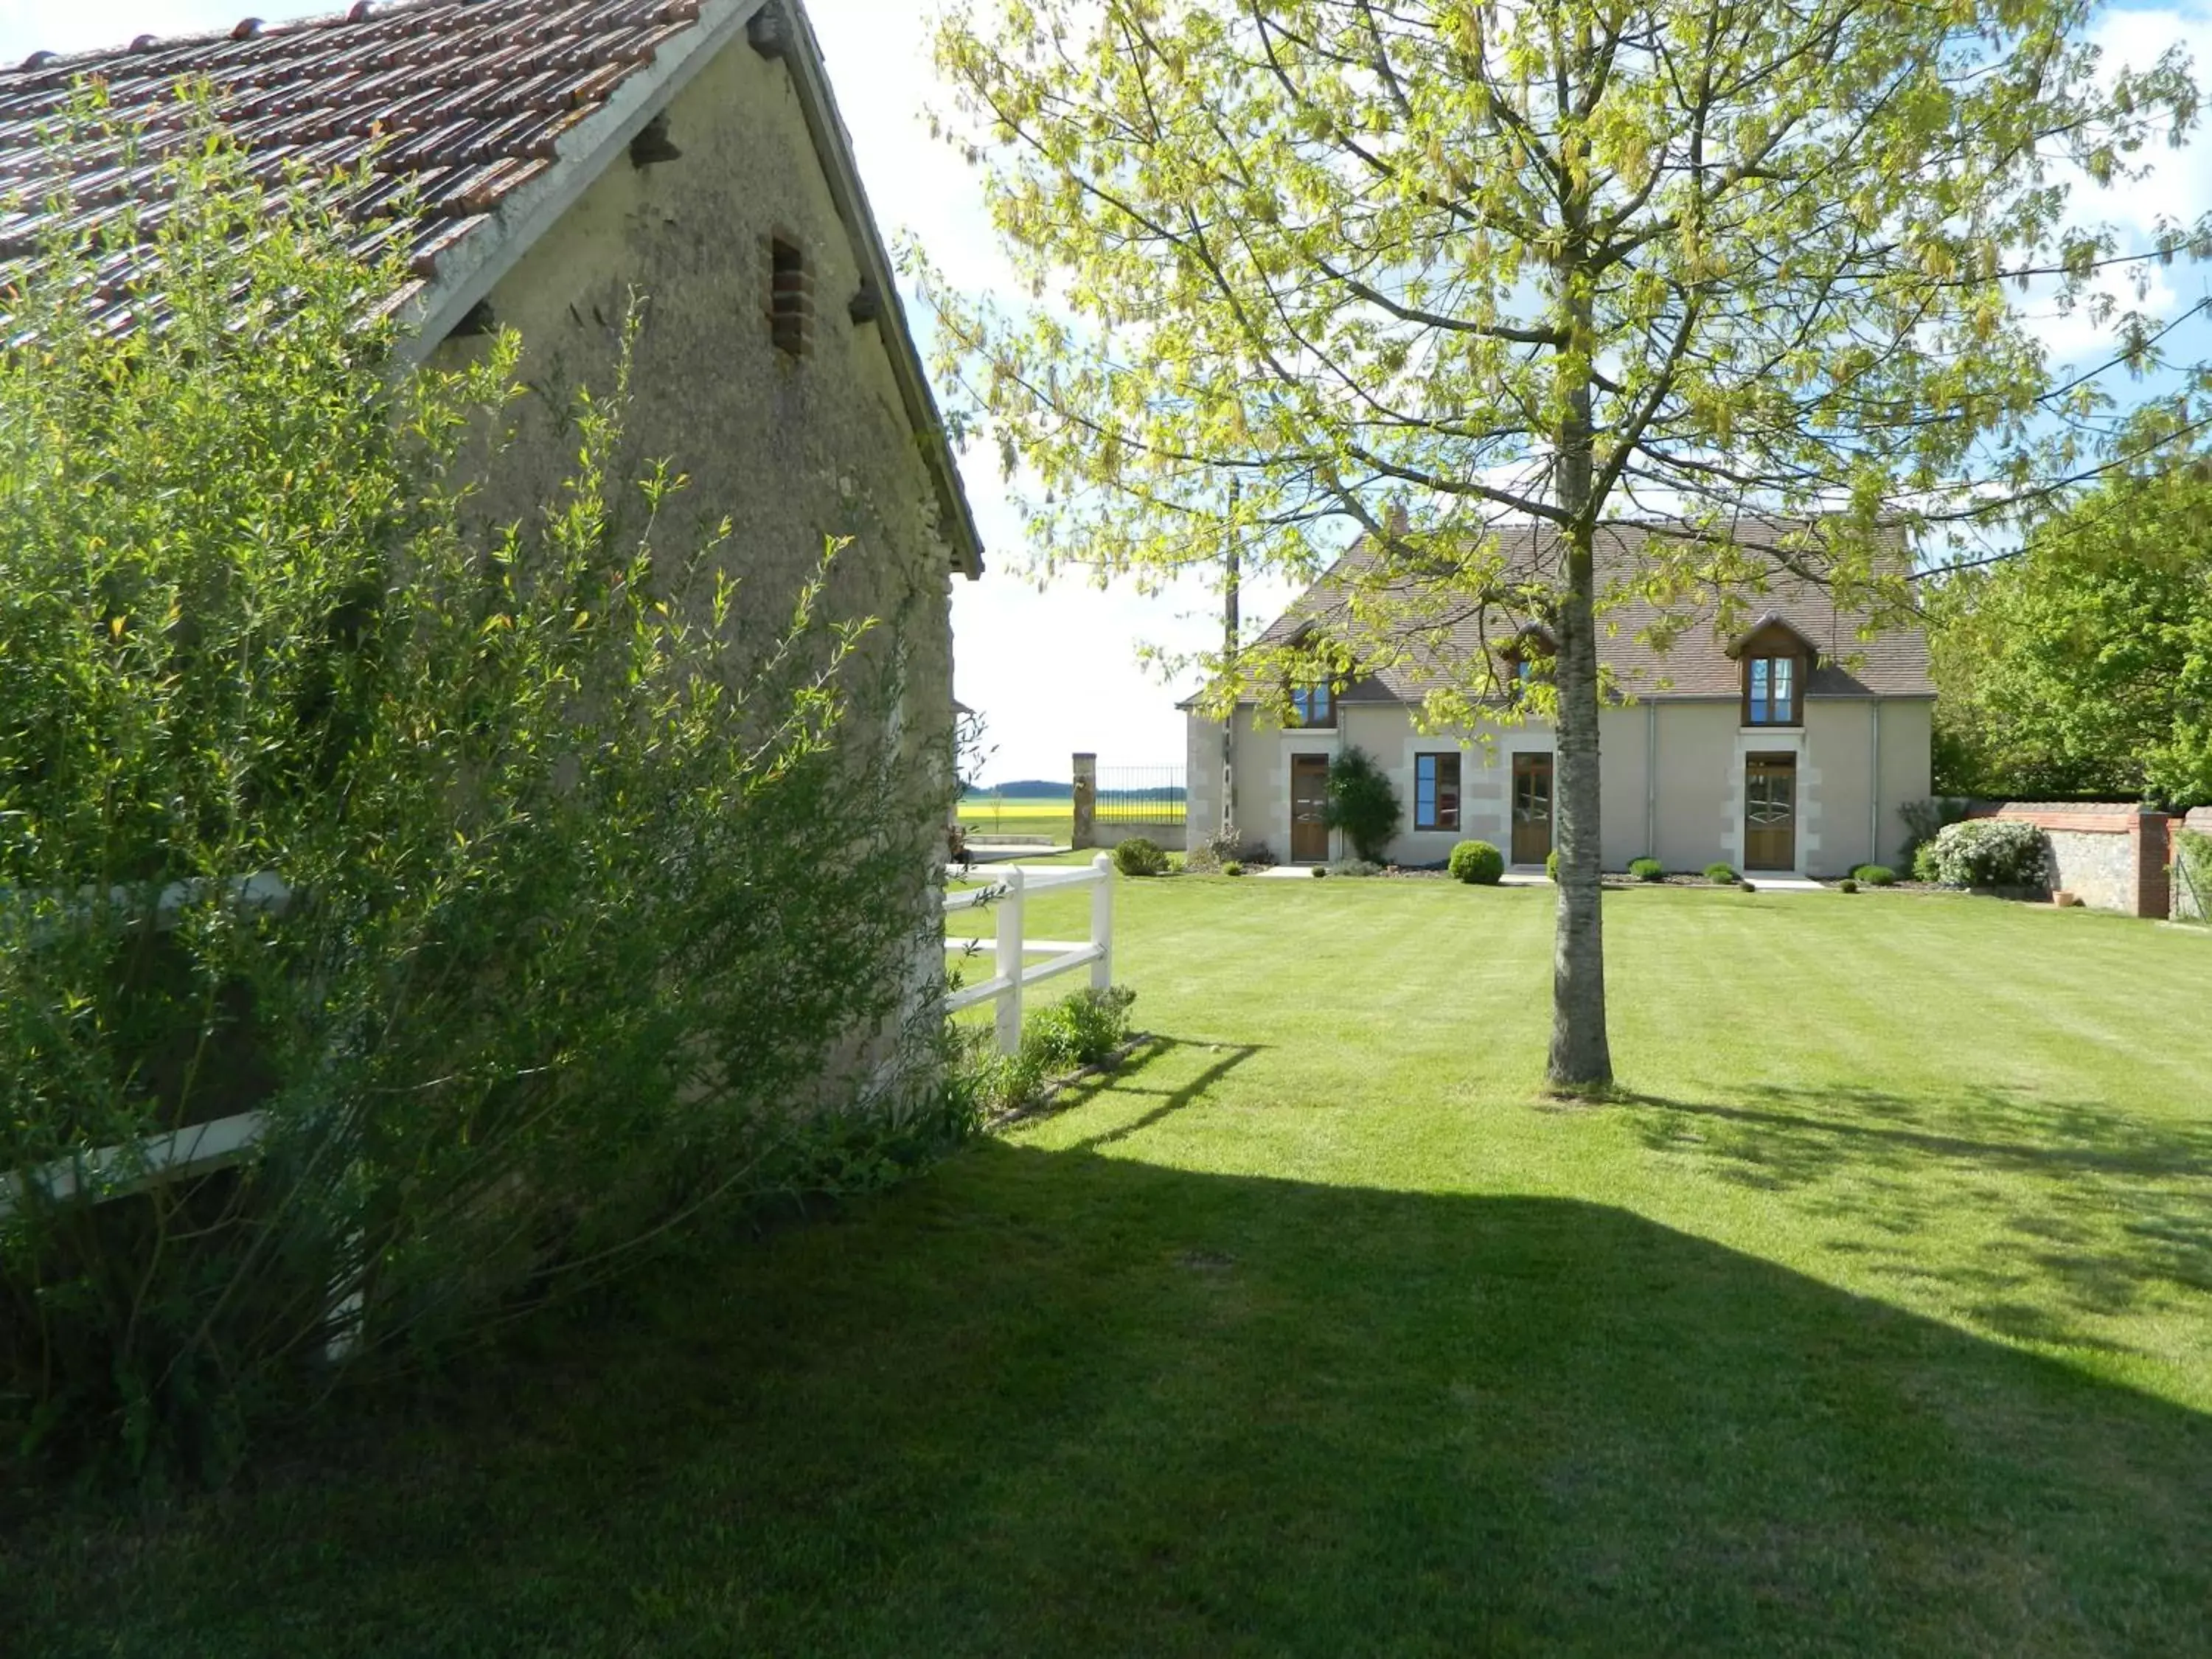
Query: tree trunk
{"type": "Point", "coordinates": [1581, 1057]}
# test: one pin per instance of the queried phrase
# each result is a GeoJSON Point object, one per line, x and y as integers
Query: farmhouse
{"type": "Point", "coordinates": [538, 165]}
{"type": "Point", "coordinates": [1787, 744]}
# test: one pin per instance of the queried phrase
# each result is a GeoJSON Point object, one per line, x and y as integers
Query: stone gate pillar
{"type": "Point", "coordinates": [1087, 801]}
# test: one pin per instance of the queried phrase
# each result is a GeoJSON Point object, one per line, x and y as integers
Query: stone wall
{"type": "Point", "coordinates": [2111, 855]}
{"type": "Point", "coordinates": [1173, 837]}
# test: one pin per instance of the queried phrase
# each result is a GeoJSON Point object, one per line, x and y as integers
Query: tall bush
{"type": "Point", "coordinates": [1361, 804]}
{"type": "Point", "coordinates": [533, 912]}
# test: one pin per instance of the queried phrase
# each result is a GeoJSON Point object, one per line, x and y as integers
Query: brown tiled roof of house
{"type": "Point", "coordinates": [465, 102]}
{"type": "Point", "coordinates": [1893, 663]}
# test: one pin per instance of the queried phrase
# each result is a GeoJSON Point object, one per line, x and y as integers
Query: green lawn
{"type": "Point", "coordinates": [1020, 818]}
{"type": "Point", "coordinates": [1020, 815]}
{"type": "Point", "coordinates": [1878, 1319]}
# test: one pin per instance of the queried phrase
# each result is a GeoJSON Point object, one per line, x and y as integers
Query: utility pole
{"type": "Point", "coordinates": [1229, 644]}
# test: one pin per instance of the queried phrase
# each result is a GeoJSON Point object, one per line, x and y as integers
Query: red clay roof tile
{"type": "Point", "coordinates": [466, 102]}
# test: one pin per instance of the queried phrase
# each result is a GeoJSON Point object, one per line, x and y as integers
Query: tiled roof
{"type": "Point", "coordinates": [467, 101]}
{"type": "Point", "coordinates": [1696, 663]}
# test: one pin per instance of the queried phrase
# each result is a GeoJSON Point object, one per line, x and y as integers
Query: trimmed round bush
{"type": "Point", "coordinates": [1139, 857]}
{"type": "Point", "coordinates": [1476, 861]}
{"type": "Point", "coordinates": [1722, 874]}
{"type": "Point", "coordinates": [1990, 852]}
{"type": "Point", "coordinates": [1231, 867]}
{"type": "Point", "coordinates": [1874, 875]}
{"type": "Point", "coordinates": [1647, 869]}
{"type": "Point", "coordinates": [1320, 870]}
{"type": "Point", "coordinates": [1552, 864]}
{"type": "Point", "coordinates": [1847, 885]}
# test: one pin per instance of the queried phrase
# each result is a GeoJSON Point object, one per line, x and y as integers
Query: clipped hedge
{"type": "Point", "coordinates": [1476, 862]}
{"type": "Point", "coordinates": [1647, 869]}
{"type": "Point", "coordinates": [1874, 875]}
{"type": "Point", "coordinates": [1722, 874]}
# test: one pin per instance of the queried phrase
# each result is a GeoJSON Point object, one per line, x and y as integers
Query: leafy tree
{"type": "Point", "coordinates": [1361, 804]}
{"type": "Point", "coordinates": [1317, 263]}
{"type": "Point", "coordinates": [2085, 665]}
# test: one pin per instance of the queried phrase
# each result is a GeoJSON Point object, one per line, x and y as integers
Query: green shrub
{"type": "Point", "coordinates": [1847, 885]}
{"type": "Point", "coordinates": [488, 865]}
{"type": "Point", "coordinates": [1647, 870]}
{"type": "Point", "coordinates": [1211, 852]}
{"type": "Point", "coordinates": [1722, 874]}
{"type": "Point", "coordinates": [1361, 804]}
{"type": "Point", "coordinates": [1320, 870]}
{"type": "Point", "coordinates": [1231, 867]}
{"type": "Point", "coordinates": [1874, 875]}
{"type": "Point", "coordinates": [1354, 867]}
{"type": "Point", "coordinates": [2192, 860]}
{"type": "Point", "coordinates": [1990, 852]}
{"type": "Point", "coordinates": [1477, 862]}
{"type": "Point", "coordinates": [1077, 1030]}
{"type": "Point", "coordinates": [1552, 864]}
{"type": "Point", "coordinates": [1926, 819]}
{"type": "Point", "coordinates": [1137, 856]}
{"type": "Point", "coordinates": [1925, 868]}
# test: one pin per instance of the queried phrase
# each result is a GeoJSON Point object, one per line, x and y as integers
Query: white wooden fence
{"type": "Point", "coordinates": [1010, 889]}
{"type": "Point", "coordinates": [111, 1172]}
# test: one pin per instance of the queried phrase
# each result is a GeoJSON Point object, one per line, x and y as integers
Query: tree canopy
{"type": "Point", "coordinates": [2084, 666]}
{"type": "Point", "coordinates": [1409, 269]}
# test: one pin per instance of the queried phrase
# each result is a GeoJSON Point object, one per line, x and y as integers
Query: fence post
{"type": "Point", "coordinates": [1009, 967]}
{"type": "Point", "coordinates": [1101, 922]}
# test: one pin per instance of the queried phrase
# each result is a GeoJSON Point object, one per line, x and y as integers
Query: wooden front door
{"type": "Point", "coordinates": [1770, 812]}
{"type": "Point", "coordinates": [1309, 808]}
{"type": "Point", "coordinates": [1532, 808]}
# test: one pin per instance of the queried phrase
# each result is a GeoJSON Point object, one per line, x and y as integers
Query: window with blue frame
{"type": "Point", "coordinates": [1436, 792]}
{"type": "Point", "coordinates": [1312, 705]}
{"type": "Point", "coordinates": [1769, 696]}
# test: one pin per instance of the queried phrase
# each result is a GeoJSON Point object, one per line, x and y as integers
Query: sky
{"type": "Point", "coordinates": [1055, 668]}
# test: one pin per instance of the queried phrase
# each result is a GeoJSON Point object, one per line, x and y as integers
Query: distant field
{"type": "Point", "coordinates": [1044, 815]}
{"type": "Point", "coordinates": [1019, 815]}
{"type": "Point", "coordinates": [1059, 825]}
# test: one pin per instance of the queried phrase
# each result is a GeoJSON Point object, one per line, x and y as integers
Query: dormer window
{"type": "Point", "coordinates": [1771, 690]}
{"type": "Point", "coordinates": [1777, 659]}
{"type": "Point", "coordinates": [1313, 705]}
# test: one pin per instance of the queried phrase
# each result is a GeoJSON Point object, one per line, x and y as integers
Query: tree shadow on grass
{"type": "Point", "coordinates": [1046, 1402]}
{"type": "Point", "coordinates": [2068, 1209]}
{"type": "Point", "coordinates": [1127, 1081]}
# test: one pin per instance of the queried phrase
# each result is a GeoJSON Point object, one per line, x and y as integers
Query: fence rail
{"type": "Point", "coordinates": [1010, 891]}
{"type": "Point", "coordinates": [97, 1174]}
